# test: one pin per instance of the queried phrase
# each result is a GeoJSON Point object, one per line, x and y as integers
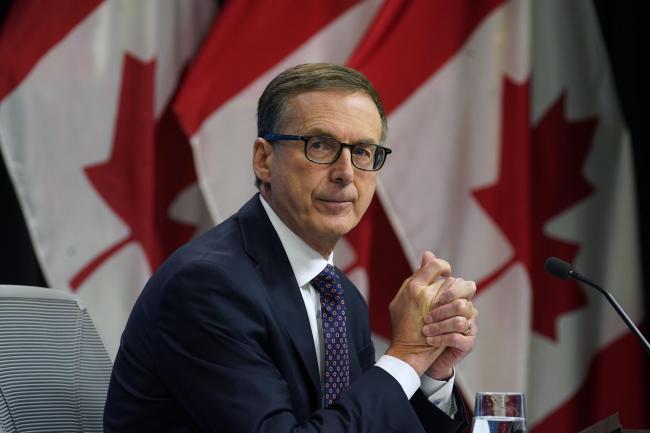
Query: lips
{"type": "Point", "coordinates": [335, 200]}
{"type": "Point", "coordinates": [334, 205]}
{"type": "Point", "coordinates": [340, 196]}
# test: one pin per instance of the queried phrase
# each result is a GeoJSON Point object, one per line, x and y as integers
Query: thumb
{"type": "Point", "coordinates": [427, 257]}
{"type": "Point", "coordinates": [431, 268]}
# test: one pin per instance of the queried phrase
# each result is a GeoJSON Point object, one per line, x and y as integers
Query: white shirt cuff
{"type": "Point", "coordinates": [405, 375]}
{"type": "Point", "coordinates": [440, 393]}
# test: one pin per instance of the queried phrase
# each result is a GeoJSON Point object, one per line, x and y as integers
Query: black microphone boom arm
{"type": "Point", "coordinates": [561, 269]}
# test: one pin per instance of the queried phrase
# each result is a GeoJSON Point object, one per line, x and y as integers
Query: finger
{"type": "Point", "coordinates": [460, 289]}
{"type": "Point", "coordinates": [434, 290]}
{"type": "Point", "coordinates": [430, 271]}
{"type": "Point", "coordinates": [427, 256]}
{"type": "Point", "coordinates": [458, 324]}
{"type": "Point", "coordinates": [453, 340]}
{"type": "Point", "coordinates": [458, 307]}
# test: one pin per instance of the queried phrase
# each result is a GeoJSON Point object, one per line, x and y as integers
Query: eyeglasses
{"type": "Point", "coordinates": [326, 150]}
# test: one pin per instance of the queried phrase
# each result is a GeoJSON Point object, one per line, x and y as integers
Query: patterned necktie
{"type": "Point", "coordinates": [336, 366]}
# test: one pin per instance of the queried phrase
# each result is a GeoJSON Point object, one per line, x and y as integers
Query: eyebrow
{"type": "Point", "coordinates": [317, 132]}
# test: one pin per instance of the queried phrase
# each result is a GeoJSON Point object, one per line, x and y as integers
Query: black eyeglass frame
{"type": "Point", "coordinates": [306, 138]}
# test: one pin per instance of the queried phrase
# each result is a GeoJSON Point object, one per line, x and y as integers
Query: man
{"type": "Point", "coordinates": [250, 328]}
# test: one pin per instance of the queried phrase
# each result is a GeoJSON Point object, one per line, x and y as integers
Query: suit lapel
{"type": "Point", "coordinates": [263, 245]}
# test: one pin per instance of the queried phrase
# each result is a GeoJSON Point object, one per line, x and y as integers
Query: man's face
{"type": "Point", "coordinates": [321, 202]}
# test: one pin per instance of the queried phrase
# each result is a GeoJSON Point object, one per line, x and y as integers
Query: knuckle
{"type": "Point", "coordinates": [434, 341]}
{"type": "Point", "coordinates": [446, 296]}
{"type": "Point", "coordinates": [441, 299]}
{"type": "Point", "coordinates": [411, 294]}
{"type": "Point", "coordinates": [413, 288]}
{"type": "Point", "coordinates": [431, 330]}
{"type": "Point", "coordinates": [455, 340]}
{"type": "Point", "coordinates": [442, 265]}
{"type": "Point", "coordinates": [458, 305]}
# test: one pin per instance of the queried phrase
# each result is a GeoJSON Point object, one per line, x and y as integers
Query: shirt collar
{"type": "Point", "coordinates": [305, 261]}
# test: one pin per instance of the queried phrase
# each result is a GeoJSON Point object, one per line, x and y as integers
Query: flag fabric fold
{"type": "Point", "coordinates": [509, 147]}
{"type": "Point", "coordinates": [102, 170]}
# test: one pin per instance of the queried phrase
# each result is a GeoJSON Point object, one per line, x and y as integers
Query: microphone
{"type": "Point", "coordinates": [561, 269]}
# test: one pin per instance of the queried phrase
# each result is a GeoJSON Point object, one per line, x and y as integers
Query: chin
{"type": "Point", "coordinates": [339, 228]}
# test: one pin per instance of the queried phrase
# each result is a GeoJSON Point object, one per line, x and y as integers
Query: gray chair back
{"type": "Point", "coordinates": [54, 369]}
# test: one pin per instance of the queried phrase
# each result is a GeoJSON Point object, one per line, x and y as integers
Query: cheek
{"type": "Point", "coordinates": [298, 190]}
{"type": "Point", "coordinates": [367, 184]}
{"type": "Point", "coordinates": [366, 189]}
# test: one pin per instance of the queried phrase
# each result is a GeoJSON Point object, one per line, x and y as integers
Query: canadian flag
{"type": "Point", "coordinates": [509, 148]}
{"type": "Point", "coordinates": [99, 163]}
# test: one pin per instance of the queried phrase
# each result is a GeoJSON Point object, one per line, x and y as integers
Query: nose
{"type": "Point", "coordinates": [342, 170]}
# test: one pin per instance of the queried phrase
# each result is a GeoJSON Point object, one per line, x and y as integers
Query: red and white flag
{"type": "Point", "coordinates": [218, 101]}
{"type": "Point", "coordinates": [514, 150]}
{"type": "Point", "coordinates": [101, 167]}
{"type": "Point", "coordinates": [509, 148]}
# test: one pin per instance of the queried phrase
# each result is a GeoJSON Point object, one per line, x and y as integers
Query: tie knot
{"type": "Point", "coordinates": [328, 282]}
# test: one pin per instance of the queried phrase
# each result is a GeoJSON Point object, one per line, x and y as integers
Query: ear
{"type": "Point", "coordinates": [262, 159]}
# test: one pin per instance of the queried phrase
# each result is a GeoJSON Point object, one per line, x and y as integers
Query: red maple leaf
{"type": "Point", "coordinates": [150, 164]}
{"type": "Point", "coordinates": [540, 177]}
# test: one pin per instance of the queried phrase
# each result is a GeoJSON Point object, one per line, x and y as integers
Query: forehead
{"type": "Point", "coordinates": [348, 116]}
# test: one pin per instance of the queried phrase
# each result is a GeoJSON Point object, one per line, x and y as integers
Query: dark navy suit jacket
{"type": "Point", "coordinates": [219, 341]}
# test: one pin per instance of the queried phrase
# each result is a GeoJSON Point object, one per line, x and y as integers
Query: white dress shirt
{"type": "Point", "coordinates": [307, 264]}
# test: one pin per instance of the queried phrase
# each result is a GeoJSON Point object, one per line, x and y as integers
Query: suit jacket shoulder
{"type": "Point", "coordinates": [219, 340]}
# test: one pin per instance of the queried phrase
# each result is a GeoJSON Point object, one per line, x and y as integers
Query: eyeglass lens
{"type": "Point", "coordinates": [325, 150]}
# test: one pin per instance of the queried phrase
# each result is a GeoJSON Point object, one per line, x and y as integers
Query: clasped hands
{"type": "Point", "coordinates": [433, 319]}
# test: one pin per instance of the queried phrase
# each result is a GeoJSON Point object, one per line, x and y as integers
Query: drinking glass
{"type": "Point", "coordinates": [499, 412]}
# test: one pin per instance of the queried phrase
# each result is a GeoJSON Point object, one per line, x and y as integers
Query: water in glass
{"type": "Point", "coordinates": [498, 424]}
{"type": "Point", "coordinates": [499, 412]}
